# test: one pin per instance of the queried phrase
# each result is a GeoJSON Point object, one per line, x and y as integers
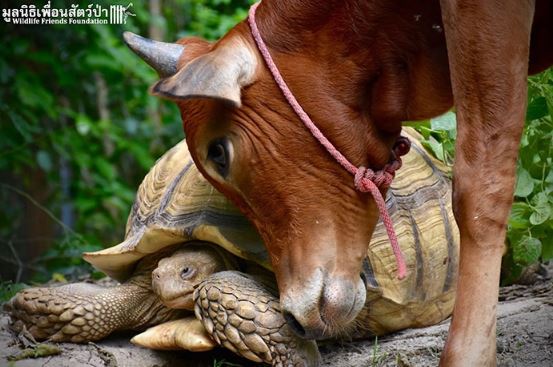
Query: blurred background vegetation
{"type": "Point", "coordinates": [79, 132]}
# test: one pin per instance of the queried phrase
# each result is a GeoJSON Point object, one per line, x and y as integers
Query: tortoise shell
{"type": "Point", "coordinates": [176, 204]}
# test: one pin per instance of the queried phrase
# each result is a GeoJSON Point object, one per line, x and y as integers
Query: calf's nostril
{"type": "Point", "coordinates": [364, 279]}
{"type": "Point", "coordinates": [294, 324]}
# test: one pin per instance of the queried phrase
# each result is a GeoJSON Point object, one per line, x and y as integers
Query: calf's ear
{"type": "Point", "coordinates": [219, 74]}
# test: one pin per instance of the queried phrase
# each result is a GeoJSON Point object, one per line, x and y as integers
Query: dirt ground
{"type": "Point", "coordinates": [525, 338]}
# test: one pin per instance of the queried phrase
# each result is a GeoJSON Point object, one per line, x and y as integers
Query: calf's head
{"type": "Point", "coordinates": [250, 145]}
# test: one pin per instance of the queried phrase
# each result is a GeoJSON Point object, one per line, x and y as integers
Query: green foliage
{"type": "Point", "coordinates": [530, 230]}
{"type": "Point", "coordinates": [212, 19]}
{"type": "Point", "coordinates": [439, 136]}
{"type": "Point", "coordinates": [8, 289]}
{"type": "Point", "coordinates": [378, 358]}
{"type": "Point", "coordinates": [79, 128]}
{"type": "Point", "coordinates": [37, 351]}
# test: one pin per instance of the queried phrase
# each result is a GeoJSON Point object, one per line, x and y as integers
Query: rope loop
{"type": "Point", "coordinates": [362, 178]}
{"type": "Point", "coordinates": [381, 179]}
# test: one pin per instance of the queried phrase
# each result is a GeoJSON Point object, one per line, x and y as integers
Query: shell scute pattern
{"type": "Point", "coordinates": [420, 205]}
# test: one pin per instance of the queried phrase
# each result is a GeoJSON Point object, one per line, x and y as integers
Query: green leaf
{"type": "Point", "coordinates": [435, 147]}
{"type": "Point", "coordinates": [525, 183]}
{"type": "Point", "coordinates": [101, 62]}
{"type": "Point", "coordinates": [44, 161]}
{"type": "Point", "coordinates": [424, 131]}
{"type": "Point", "coordinates": [22, 126]}
{"type": "Point", "coordinates": [446, 122]}
{"type": "Point", "coordinates": [527, 251]}
{"type": "Point", "coordinates": [85, 204]}
{"type": "Point", "coordinates": [104, 168]}
{"type": "Point", "coordinates": [83, 125]}
{"type": "Point", "coordinates": [34, 95]}
{"type": "Point", "coordinates": [60, 278]}
{"type": "Point", "coordinates": [520, 213]}
{"type": "Point", "coordinates": [9, 289]}
{"type": "Point", "coordinates": [549, 178]}
{"type": "Point", "coordinates": [537, 108]}
{"type": "Point", "coordinates": [541, 209]}
{"type": "Point", "coordinates": [6, 72]}
{"type": "Point", "coordinates": [524, 140]}
{"type": "Point", "coordinates": [417, 124]}
{"type": "Point", "coordinates": [547, 251]}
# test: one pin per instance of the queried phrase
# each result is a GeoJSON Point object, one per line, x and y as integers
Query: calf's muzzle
{"type": "Point", "coordinates": [323, 304]}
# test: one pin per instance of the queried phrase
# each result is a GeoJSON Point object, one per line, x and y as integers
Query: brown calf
{"type": "Point", "coordinates": [360, 68]}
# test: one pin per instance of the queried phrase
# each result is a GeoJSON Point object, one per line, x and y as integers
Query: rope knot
{"type": "Point", "coordinates": [366, 177]}
{"type": "Point", "coordinates": [363, 179]}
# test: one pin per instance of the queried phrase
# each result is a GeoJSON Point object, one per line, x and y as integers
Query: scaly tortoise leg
{"type": "Point", "coordinates": [83, 312]}
{"type": "Point", "coordinates": [245, 317]}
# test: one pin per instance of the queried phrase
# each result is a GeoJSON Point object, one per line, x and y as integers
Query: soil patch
{"type": "Point", "coordinates": [525, 338]}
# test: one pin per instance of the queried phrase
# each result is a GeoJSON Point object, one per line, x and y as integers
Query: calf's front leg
{"type": "Point", "coordinates": [488, 43]}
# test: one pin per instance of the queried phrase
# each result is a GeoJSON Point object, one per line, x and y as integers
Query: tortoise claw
{"type": "Point", "coordinates": [187, 333]}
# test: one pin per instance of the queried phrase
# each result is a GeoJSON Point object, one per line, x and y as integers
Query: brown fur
{"type": "Point", "coordinates": [360, 68]}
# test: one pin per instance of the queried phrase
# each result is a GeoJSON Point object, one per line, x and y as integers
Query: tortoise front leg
{"type": "Point", "coordinates": [488, 43]}
{"type": "Point", "coordinates": [187, 333]}
{"type": "Point", "coordinates": [83, 312]}
{"type": "Point", "coordinates": [244, 316]}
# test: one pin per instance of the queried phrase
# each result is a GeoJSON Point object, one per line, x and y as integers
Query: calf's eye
{"type": "Point", "coordinates": [218, 154]}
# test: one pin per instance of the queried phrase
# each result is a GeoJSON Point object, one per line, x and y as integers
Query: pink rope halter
{"type": "Point", "coordinates": [365, 179]}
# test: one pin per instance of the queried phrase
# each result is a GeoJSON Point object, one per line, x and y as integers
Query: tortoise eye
{"type": "Point", "coordinates": [218, 154]}
{"type": "Point", "coordinates": [187, 273]}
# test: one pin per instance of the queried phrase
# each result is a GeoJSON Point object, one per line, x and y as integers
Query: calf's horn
{"type": "Point", "coordinates": [161, 56]}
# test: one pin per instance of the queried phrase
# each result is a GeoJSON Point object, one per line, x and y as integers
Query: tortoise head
{"type": "Point", "coordinates": [247, 141]}
{"type": "Point", "coordinates": [177, 275]}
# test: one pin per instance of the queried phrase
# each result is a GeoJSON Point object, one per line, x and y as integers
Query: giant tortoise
{"type": "Point", "coordinates": [177, 208]}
